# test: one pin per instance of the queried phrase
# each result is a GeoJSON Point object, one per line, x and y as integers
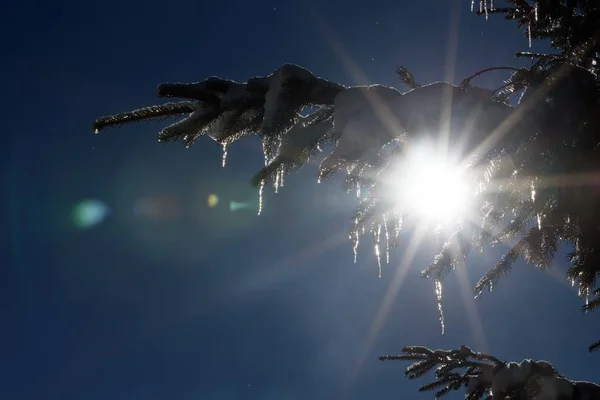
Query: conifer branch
{"type": "Point", "coordinates": [466, 81]}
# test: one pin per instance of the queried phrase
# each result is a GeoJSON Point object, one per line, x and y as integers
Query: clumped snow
{"type": "Point", "coordinates": [367, 118]}
{"type": "Point", "coordinates": [540, 376]}
{"type": "Point", "coordinates": [277, 83]}
{"type": "Point", "coordinates": [354, 100]}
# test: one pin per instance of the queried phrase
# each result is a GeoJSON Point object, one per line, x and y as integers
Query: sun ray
{"type": "Point", "coordinates": [475, 323]}
{"type": "Point", "coordinates": [386, 304]}
{"type": "Point", "coordinates": [278, 269]}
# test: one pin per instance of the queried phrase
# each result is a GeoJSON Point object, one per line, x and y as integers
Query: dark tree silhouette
{"type": "Point", "coordinates": [535, 164]}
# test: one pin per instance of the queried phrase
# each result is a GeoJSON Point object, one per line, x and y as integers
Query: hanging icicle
{"type": "Point", "coordinates": [438, 294]}
{"type": "Point", "coordinates": [276, 184]}
{"type": "Point", "coordinates": [377, 236]}
{"type": "Point", "coordinates": [224, 154]}
{"type": "Point", "coordinates": [281, 177]}
{"type": "Point", "coordinates": [355, 239]}
{"type": "Point", "coordinates": [260, 196]}
{"type": "Point", "coordinates": [387, 239]}
{"type": "Point", "coordinates": [378, 259]}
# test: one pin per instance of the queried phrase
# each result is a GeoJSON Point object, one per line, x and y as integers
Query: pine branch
{"type": "Point", "coordinates": [406, 77]}
{"type": "Point", "coordinates": [491, 278]}
{"type": "Point", "coordinates": [146, 113]}
{"type": "Point", "coordinates": [556, 132]}
{"type": "Point", "coordinates": [448, 362]}
{"type": "Point", "coordinates": [420, 368]}
{"type": "Point", "coordinates": [454, 252]}
{"type": "Point", "coordinates": [466, 82]}
{"type": "Point", "coordinates": [480, 373]}
{"type": "Point", "coordinates": [594, 303]}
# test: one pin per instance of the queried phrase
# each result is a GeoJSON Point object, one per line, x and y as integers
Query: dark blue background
{"type": "Point", "coordinates": [212, 304]}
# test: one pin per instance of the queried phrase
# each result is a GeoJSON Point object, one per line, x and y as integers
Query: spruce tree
{"type": "Point", "coordinates": [532, 152]}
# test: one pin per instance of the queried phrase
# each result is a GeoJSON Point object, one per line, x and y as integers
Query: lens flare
{"type": "Point", "coordinates": [158, 208]}
{"type": "Point", "coordinates": [88, 213]}
{"type": "Point", "coordinates": [212, 200]}
{"type": "Point", "coordinates": [236, 205]}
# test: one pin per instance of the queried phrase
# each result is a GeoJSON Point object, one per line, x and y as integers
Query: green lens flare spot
{"type": "Point", "coordinates": [88, 213]}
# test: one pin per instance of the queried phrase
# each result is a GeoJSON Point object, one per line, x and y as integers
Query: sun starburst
{"type": "Point", "coordinates": [429, 183]}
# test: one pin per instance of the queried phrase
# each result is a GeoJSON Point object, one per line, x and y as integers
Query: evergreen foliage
{"type": "Point", "coordinates": [483, 376]}
{"type": "Point", "coordinates": [535, 163]}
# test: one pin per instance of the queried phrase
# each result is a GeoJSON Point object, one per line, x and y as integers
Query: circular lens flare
{"type": "Point", "coordinates": [88, 213]}
{"type": "Point", "coordinates": [212, 200]}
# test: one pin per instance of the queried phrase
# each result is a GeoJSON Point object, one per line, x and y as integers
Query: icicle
{"type": "Point", "coordinates": [485, 8]}
{"type": "Point", "coordinates": [281, 178]}
{"type": "Point", "coordinates": [260, 197]}
{"type": "Point", "coordinates": [532, 192]}
{"type": "Point", "coordinates": [398, 226]}
{"type": "Point", "coordinates": [276, 184]}
{"type": "Point", "coordinates": [224, 154]}
{"type": "Point", "coordinates": [535, 11]}
{"type": "Point", "coordinates": [264, 147]}
{"type": "Point", "coordinates": [355, 240]}
{"type": "Point", "coordinates": [529, 33]}
{"type": "Point", "coordinates": [357, 189]}
{"type": "Point", "coordinates": [572, 282]}
{"type": "Point", "coordinates": [492, 5]}
{"type": "Point", "coordinates": [472, 5]}
{"type": "Point", "coordinates": [378, 258]}
{"type": "Point", "coordinates": [387, 240]}
{"type": "Point", "coordinates": [438, 294]}
{"type": "Point", "coordinates": [377, 235]}
{"type": "Point", "coordinates": [539, 221]}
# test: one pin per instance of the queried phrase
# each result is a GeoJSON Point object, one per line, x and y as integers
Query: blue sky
{"type": "Point", "coordinates": [191, 302]}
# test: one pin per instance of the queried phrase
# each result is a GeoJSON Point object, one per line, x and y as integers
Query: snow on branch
{"type": "Point", "coordinates": [486, 377]}
{"type": "Point", "coordinates": [506, 150]}
{"type": "Point", "coordinates": [227, 110]}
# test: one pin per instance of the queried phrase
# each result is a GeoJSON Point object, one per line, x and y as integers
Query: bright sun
{"type": "Point", "coordinates": [427, 183]}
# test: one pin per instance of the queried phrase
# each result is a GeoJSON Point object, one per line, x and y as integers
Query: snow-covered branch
{"type": "Point", "coordinates": [508, 153]}
{"type": "Point", "coordinates": [484, 376]}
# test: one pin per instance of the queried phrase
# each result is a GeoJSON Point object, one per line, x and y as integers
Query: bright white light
{"type": "Point", "coordinates": [427, 183]}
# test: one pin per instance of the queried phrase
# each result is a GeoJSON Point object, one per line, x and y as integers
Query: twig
{"type": "Point", "coordinates": [466, 81]}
